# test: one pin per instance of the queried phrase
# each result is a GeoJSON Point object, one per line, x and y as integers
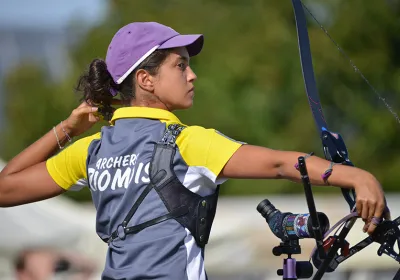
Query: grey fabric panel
{"type": "Point", "coordinates": [151, 259]}
{"type": "Point", "coordinates": [117, 142]}
{"type": "Point", "coordinates": [116, 180]}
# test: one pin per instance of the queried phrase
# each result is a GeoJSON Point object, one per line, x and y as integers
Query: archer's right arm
{"type": "Point", "coordinates": [34, 175]}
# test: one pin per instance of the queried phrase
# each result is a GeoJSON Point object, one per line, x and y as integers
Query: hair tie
{"type": "Point", "coordinates": [113, 91]}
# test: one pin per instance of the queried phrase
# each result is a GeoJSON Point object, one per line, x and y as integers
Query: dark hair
{"type": "Point", "coordinates": [96, 83]}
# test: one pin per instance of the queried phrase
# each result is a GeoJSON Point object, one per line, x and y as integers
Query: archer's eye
{"type": "Point", "coordinates": [182, 66]}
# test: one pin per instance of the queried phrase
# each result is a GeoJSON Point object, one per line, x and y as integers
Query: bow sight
{"type": "Point", "coordinates": [325, 257]}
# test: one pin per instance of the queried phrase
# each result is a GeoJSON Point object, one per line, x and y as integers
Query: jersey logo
{"type": "Point", "coordinates": [118, 172]}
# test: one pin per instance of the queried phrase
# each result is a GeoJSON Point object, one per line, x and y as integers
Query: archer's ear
{"type": "Point", "coordinates": [144, 80]}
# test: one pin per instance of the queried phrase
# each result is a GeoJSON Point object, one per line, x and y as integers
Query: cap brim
{"type": "Point", "coordinates": [193, 43]}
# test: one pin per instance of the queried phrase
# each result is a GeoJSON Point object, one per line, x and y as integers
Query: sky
{"type": "Point", "coordinates": [45, 17]}
{"type": "Point", "coordinates": [49, 13]}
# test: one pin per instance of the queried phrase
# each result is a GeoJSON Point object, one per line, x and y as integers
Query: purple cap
{"type": "Point", "coordinates": [134, 42]}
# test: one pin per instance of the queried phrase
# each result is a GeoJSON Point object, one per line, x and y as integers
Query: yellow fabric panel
{"type": "Point", "coordinates": [69, 166]}
{"type": "Point", "coordinates": [206, 147]}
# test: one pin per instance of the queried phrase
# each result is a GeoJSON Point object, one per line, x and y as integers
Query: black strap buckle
{"type": "Point", "coordinates": [117, 235]}
{"type": "Point", "coordinates": [178, 212]}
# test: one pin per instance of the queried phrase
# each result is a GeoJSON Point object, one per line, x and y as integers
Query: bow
{"type": "Point", "coordinates": [335, 150]}
{"type": "Point", "coordinates": [333, 144]}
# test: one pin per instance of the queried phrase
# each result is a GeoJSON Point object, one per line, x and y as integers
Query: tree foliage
{"type": "Point", "coordinates": [250, 85]}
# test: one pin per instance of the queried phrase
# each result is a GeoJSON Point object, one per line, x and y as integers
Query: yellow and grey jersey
{"type": "Point", "coordinates": [115, 165]}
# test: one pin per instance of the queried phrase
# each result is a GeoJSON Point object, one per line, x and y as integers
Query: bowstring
{"type": "Point", "coordinates": [380, 97]}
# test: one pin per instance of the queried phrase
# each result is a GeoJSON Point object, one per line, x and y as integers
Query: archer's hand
{"type": "Point", "coordinates": [81, 119]}
{"type": "Point", "coordinates": [370, 203]}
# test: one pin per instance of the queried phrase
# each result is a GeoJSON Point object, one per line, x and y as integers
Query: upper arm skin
{"type": "Point", "coordinates": [254, 162]}
{"type": "Point", "coordinates": [29, 185]}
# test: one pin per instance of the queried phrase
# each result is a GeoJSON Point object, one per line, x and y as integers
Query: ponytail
{"type": "Point", "coordinates": [98, 87]}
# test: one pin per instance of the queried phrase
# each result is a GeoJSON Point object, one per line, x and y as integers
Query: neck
{"type": "Point", "coordinates": [149, 100]}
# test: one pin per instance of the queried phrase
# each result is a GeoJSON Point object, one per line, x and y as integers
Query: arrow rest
{"type": "Point", "coordinates": [334, 147]}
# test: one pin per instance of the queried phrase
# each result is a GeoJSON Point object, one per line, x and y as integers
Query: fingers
{"type": "Point", "coordinates": [85, 110]}
{"type": "Point", "coordinates": [94, 118]}
{"type": "Point", "coordinates": [376, 219]}
{"type": "Point", "coordinates": [371, 228]}
{"type": "Point", "coordinates": [359, 207]}
{"type": "Point", "coordinates": [84, 104]}
{"type": "Point", "coordinates": [366, 226]}
{"type": "Point", "coordinates": [371, 213]}
{"type": "Point", "coordinates": [376, 214]}
{"type": "Point", "coordinates": [365, 209]}
{"type": "Point", "coordinates": [371, 210]}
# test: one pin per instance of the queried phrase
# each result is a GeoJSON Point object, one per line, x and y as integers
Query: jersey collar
{"type": "Point", "coordinates": [143, 112]}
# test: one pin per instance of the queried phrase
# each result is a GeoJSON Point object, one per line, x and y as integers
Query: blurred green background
{"type": "Point", "coordinates": [250, 85]}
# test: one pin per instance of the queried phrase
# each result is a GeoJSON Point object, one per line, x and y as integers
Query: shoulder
{"type": "Point", "coordinates": [198, 134]}
{"type": "Point", "coordinates": [69, 165]}
{"type": "Point", "coordinates": [84, 143]}
{"type": "Point", "coordinates": [206, 146]}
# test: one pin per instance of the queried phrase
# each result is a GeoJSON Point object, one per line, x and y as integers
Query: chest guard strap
{"type": "Point", "coordinates": [192, 211]}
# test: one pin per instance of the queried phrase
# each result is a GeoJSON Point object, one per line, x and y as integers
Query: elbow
{"type": "Point", "coordinates": [275, 171]}
{"type": "Point", "coordinates": [287, 172]}
{"type": "Point", "coordinates": [5, 192]}
{"type": "Point", "coordinates": [280, 173]}
{"type": "Point", "coordinates": [278, 165]}
{"type": "Point", "coordinates": [286, 167]}
{"type": "Point", "coordinates": [3, 199]}
{"type": "Point", "coordinates": [4, 203]}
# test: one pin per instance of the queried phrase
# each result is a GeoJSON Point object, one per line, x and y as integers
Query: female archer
{"type": "Point", "coordinates": [154, 180]}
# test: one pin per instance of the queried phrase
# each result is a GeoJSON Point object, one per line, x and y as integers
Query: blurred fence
{"type": "Point", "coordinates": [240, 246]}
